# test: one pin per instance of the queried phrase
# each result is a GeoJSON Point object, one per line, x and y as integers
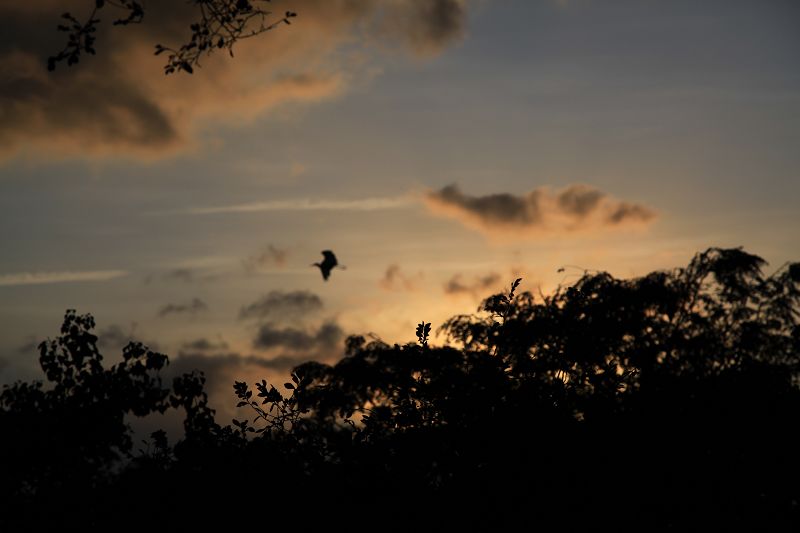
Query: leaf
{"type": "Point", "coordinates": [794, 272]}
{"type": "Point", "coordinates": [289, 386]}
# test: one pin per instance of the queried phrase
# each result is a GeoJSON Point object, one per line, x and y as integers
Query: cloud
{"type": "Point", "coordinates": [394, 279]}
{"type": "Point", "coordinates": [579, 201]}
{"type": "Point", "coordinates": [114, 337]}
{"type": "Point", "coordinates": [120, 102]}
{"type": "Point", "coordinates": [266, 257]}
{"type": "Point", "coordinates": [573, 209]}
{"type": "Point", "coordinates": [204, 345]}
{"type": "Point", "coordinates": [181, 274]}
{"type": "Point", "coordinates": [226, 363]}
{"type": "Point", "coordinates": [31, 345]}
{"type": "Point", "coordinates": [191, 308]}
{"type": "Point", "coordinates": [478, 287]}
{"type": "Point", "coordinates": [282, 306]}
{"type": "Point", "coordinates": [426, 26]}
{"type": "Point", "coordinates": [300, 204]}
{"type": "Point", "coordinates": [37, 278]}
{"type": "Point", "coordinates": [325, 339]}
{"type": "Point", "coordinates": [625, 212]}
{"type": "Point", "coordinates": [281, 318]}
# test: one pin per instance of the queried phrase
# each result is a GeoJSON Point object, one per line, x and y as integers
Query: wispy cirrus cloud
{"type": "Point", "coordinates": [298, 204]}
{"type": "Point", "coordinates": [576, 208]}
{"type": "Point", "coordinates": [70, 276]}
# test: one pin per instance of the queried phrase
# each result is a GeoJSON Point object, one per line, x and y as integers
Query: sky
{"type": "Point", "coordinates": [441, 148]}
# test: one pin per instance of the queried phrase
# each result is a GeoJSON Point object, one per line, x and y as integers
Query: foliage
{"type": "Point", "coordinates": [220, 25]}
{"type": "Point", "coordinates": [662, 402]}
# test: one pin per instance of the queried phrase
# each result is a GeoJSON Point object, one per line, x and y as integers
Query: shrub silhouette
{"type": "Point", "coordinates": [667, 401]}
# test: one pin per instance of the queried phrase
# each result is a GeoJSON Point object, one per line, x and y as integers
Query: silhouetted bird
{"type": "Point", "coordinates": [328, 263]}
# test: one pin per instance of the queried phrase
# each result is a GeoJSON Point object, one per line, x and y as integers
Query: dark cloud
{"type": "Point", "coordinates": [3, 363]}
{"type": "Point", "coordinates": [180, 274]}
{"type": "Point", "coordinates": [324, 339]}
{"type": "Point", "coordinates": [426, 26]}
{"type": "Point", "coordinates": [30, 346]}
{"type": "Point", "coordinates": [204, 345]}
{"type": "Point", "coordinates": [265, 258]}
{"type": "Point", "coordinates": [478, 286]}
{"type": "Point", "coordinates": [226, 363]}
{"type": "Point", "coordinates": [492, 209]}
{"type": "Point", "coordinates": [119, 101]}
{"type": "Point", "coordinates": [98, 107]}
{"type": "Point", "coordinates": [282, 306]}
{"type": "Point", "coordinates": [191, 308]}
{"type": "Point", "coordinates": [579, 200]}
{"type": "Point", "coordinates": [575, 208]}
{"type": "Point", "coordinates": [221, 367]}
{"type": "Point", "coordinates": [114, 337]}
{"type": "Point", "coordinates": [395, 279]}
{"type": "Point", "coordinates": [625, 212]}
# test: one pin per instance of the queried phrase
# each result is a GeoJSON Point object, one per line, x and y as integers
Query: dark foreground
{"type": "Point", "coordinates": [667, 402]}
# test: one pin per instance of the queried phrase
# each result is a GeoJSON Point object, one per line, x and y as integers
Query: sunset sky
{"type": "Point", "coordinates": [440, 148]}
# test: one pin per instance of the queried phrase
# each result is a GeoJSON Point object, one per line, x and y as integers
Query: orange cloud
{"type": "Point", "coordinates": [120, 102]}
{"type": "Point", "coordinates": [577, 208]}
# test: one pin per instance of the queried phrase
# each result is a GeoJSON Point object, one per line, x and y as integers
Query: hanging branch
{"type": "Point", "coordinates": [221, 24]}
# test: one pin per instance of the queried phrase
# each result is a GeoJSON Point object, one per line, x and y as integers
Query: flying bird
{"type": "Point", "coordinates": [328, 263]}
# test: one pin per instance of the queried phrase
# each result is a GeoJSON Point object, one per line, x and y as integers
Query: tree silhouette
{"type": "Point", "coordinates": [220, 24]}
{"type": "Point", "coordinates": [662, 402]}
